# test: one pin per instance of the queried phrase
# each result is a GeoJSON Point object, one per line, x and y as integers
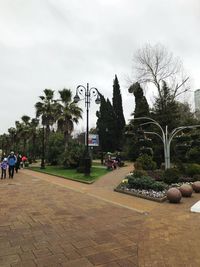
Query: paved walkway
{"type": "Point", "coordinates": [50, 221]}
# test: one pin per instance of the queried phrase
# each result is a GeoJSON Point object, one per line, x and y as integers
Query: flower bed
{"type": "Point", "coordinates": [150, 194]}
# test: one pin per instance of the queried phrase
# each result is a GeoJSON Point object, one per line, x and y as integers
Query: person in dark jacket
{"type": "Point", "coordinates": [18, 163]}
{"type": "Point", "coordinates": [11, 164]}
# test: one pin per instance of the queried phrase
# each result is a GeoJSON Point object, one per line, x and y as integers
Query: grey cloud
{"type": "Point", "coordinates": [62, 43]}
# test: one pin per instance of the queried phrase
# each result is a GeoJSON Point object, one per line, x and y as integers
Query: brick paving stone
{"type": "Point", "coordinates": [72, 255]}
{"type": "Point", "coordinates": [28, 255]}
{"type": "Point", "coordinates": [82, 262]}
{"type": "Point", "coordinates": [128, 262]}
{"type": "Point", "coordinates": [28, 263]}
{"type": "Point", "coordinates": [9, 259]}
{"type": "Point", "coordinates": [10, 250]}
{"type": "Point", "coordinates": [84, 244]}
{"type": "Point", "coordinates": [87, 251]}
{"type": "Point", "coordinates": [53, 260]}
{"type": "Point", "coordinates": [40, 253]}
{"type": "Point", "coordinates": [110, 264]}
{"type": "Point", "coordinates": [102, 258]}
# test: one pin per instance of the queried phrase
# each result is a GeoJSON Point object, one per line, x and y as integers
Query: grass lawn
{"type": "Point", "coordinates": [72, 174]}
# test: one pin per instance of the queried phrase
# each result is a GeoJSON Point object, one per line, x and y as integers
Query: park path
{"type": "Point", "coordinates": [103, 188]}
{"type": "Point", "coordinates": [169, 234]}
{"type": "Point", "coordinates": [43, 223]}
{"type": "Point", "coordinates": [47, 221]}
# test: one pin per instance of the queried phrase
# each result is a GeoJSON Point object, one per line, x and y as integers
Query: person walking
{"type": "Point", "coordinates": [11, 164]}
{"type": "Point", "coordinates": [18, 163]}
{"type": "Point", "coordinates": [24, 160]}
{"type": "Point", "coordinates": [4, 165]}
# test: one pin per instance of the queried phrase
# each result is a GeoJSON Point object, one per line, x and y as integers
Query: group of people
{"type": "Point", "coordinates": [11, 163]}
{"type": "Point", "coordinates": [113, 162]}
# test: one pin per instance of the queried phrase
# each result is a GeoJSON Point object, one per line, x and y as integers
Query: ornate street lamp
{"type": "Point", "coordinates": [86, 93]}
{"type": "Point", "coordinates": [42, 166]}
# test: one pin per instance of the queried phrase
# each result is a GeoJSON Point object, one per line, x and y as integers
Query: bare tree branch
{"type": "Point", "coordinates": [155, 64]}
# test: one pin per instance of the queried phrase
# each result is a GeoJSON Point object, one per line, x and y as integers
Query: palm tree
{"type": "Point", "coordinates": [5, 143]}
{"type": "Point", "coordinates": [46, 109]}
{"type": "Point", "coordinates": [25, 131]}
{"type": "Point", "coordinates": [12, 133]}
{"type": "Point", "coordinates": [69, 113]}
{"type": "Point", "coordinates": [33, 134]}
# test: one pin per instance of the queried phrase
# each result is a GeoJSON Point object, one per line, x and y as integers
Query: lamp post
{"type": "Point", "coordinates": [86, 93]}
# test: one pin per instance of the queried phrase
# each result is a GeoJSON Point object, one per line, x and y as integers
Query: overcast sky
{"type": "Point", "coordinates": [64, 43]}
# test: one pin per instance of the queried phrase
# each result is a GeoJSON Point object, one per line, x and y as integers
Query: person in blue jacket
{"type": "Point", "coordinates": [11, 164]}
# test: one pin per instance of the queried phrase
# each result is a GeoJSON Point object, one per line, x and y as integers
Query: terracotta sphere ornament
{"type": "Point", "coordinates": [196, 186]}
{"type": "Point", "coordinates": [186, 190]}
{"type": "Point", "coordinates": [174, 195]}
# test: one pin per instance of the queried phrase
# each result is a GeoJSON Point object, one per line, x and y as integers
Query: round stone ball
{"type": "Point", "coordinates": [186, 190]}
{"type": "Point", "coordinates": [174, 195]}
{"type": "Point", "coordinates": [196, 186]}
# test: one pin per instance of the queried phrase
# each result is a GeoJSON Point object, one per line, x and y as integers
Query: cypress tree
{"type": "Point", "coordinates": [118, 110]}
{"type": "Point", "coordinates": [133, 128]}
{"type": "Point", "coordinates": [106, 125]}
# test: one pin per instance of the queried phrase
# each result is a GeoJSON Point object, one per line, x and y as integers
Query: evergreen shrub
{"type": "Point", "coordinates": [157, 175]}
{"type": "Point", "coordinates": [139, 173]}
{"type": "Point", "coordinates": [193, 155]}
{"type": "Point", "coordinates": [71, 158]}
{"type": "Point", "coordinates": [192, 169]}
{"type": "Point", "coordinates": [146, 162]}
{"type": "Point", "coordinates": [146, 183]}
{"type": "Point", "coordinates": [196, 177]}
{"type": "Point", "coordinates": [171, 176]}
{"type": "Point", "coordinates": [185, 179]}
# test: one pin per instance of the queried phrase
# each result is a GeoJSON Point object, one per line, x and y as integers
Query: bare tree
{"type": "Point", "coordinates": [155, 64]}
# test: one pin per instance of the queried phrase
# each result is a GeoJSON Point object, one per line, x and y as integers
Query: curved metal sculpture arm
{"type": "Point", "coordinates": [155, 134]}
{"type": "Point", "coordinates": [152, 121]}
{"type": "Point", "coordinates": [177, 130]}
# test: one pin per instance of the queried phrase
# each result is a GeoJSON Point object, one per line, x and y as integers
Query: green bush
{"type": "Point", "coordinates": [139, 173]}
{"type": "Point", "coordinates": [146, 162]}
{"type": "Point", "coordinates": [55, 148]}
{"type": "Point", "coordinates": [185, 179]}
{"type": "Point", "coordinates": [71, 158]}
{"type": "Point", "coordinates": [159, 186]}
{"type": "Point", "coordinates": [145, 182]}
{"type": "Point", "coordinates": [196, 177]}
{"type": "Point", "coordinates": [137, 165]}
{"type": "Point", "coordinates": [192, 169]}
{"type": "Point", "coordinates": [171, 176]}
{"type": "Point", "coordinates": [193, 155]}
{"type": "Point", "coordinates": [183, 138]}
{"type": "Point", "coordinates": [157, 175]}
{"type": "Point", "coordinates": [146, 150]}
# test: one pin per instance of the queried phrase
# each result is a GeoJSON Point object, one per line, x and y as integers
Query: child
{"type": "Point", "coordinates": [4, 165]}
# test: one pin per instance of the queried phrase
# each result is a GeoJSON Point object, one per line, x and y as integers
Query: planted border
{"type": "Point", "coordinates": [119, 190]}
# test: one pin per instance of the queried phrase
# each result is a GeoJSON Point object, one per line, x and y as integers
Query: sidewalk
{"type": "Point", "coordinates": [44, 223]}
{"type": "Point", "coordinates": [169, 234]}
{"type": "Point", "coordinates": [49, 221]}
